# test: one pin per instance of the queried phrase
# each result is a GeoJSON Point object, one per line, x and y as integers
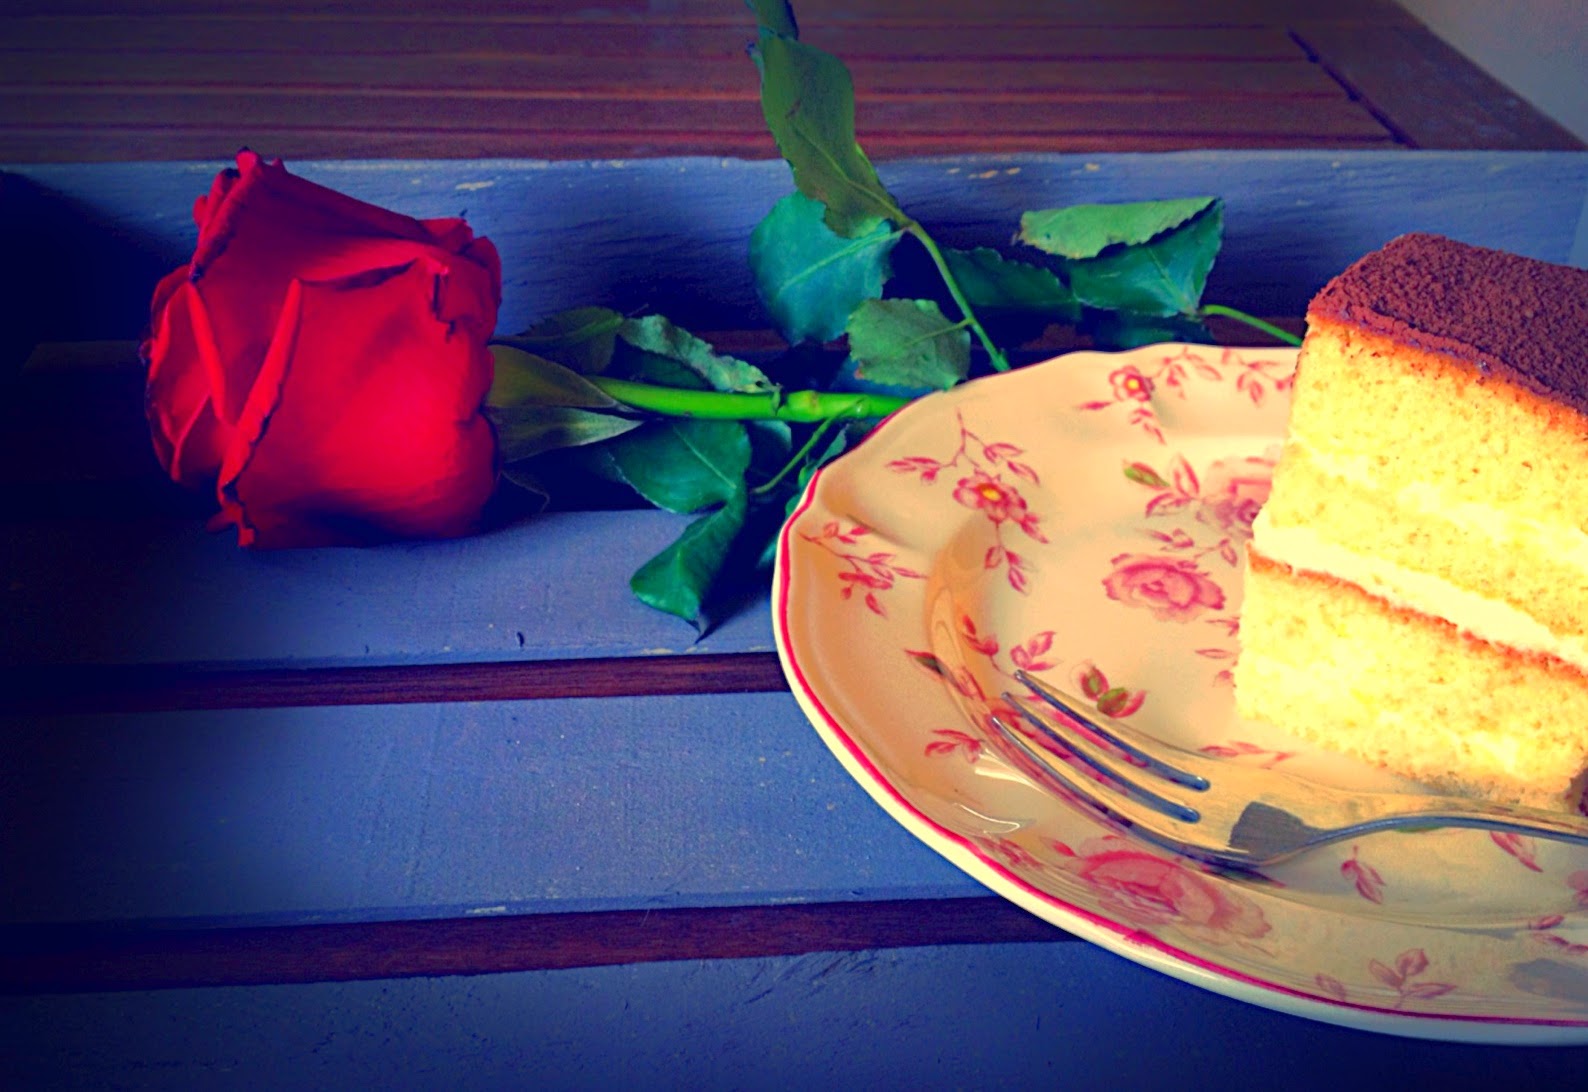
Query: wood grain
{"type": "Point", "coordinates": [92, 80]}
{"type": "Point", "coordinates": [1427, 94]}
{"type": "Point", "coordinates": [667, 75]}
{"type": "Point", "coordinates": [717, 12]}
{"type": "Point", "coordinates": [44, 689]}
{"type": "Point", "coordinates": [101, 40]}
{"type": "Point", "coordinates": [105, 958]}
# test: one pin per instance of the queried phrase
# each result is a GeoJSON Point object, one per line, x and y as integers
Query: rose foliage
{"type": "Point", "coordinates": [322, 363]}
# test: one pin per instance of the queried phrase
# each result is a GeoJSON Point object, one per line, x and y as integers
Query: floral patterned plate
{"type": "Point", "coordinates": [1084, 519]}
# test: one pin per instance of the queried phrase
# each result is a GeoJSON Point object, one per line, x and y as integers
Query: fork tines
{"type": "Point", "coordinates": [1117, 753]}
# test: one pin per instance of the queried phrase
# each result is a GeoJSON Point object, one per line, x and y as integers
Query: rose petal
{"type": "Point", "coordinates": [268, 228]}
{"type": "Point", "coordinates": [416, 459]}
{"type": "Point", "coordinates": [189, 439]}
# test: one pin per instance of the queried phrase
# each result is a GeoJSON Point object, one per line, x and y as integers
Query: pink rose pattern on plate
{"type": "Point", "coordinates": [1146, 890]}
{"type": "Point", "coordinates": [1173, 583]}
{"type": "Point", "coordinates": [1399, 976]}
{"type": "Point", "coordinates": [1363, 876]}
{"type": "Point", "coordinates": [869, 572]}
{"type": "Point", "coordinates": [1133, 387]}
{"type": "Point", "coordinates": [1174, 589]}
{"type": "Point", "coordinates": [984, 483]}
{"type": "Point", "coordinates": [1263, 757]}
{"type": "Point", "coordinates": [1194, 523]}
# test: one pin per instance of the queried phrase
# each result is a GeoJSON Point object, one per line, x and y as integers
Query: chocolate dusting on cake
{"type": "Point", "coordinates": [1506, 315]}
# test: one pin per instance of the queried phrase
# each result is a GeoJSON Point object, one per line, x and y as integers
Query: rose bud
{"type": "Point", "coordinates": [322, 364]}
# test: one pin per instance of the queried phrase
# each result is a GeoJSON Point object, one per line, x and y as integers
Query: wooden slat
{"type": "Point", "coordinates": [286, 816]}
{"type": "Point", "coordinates": [110, 38]}
{"type": "Point", "coordinates": [109, 688]}
{"type": "Point", "coordinates": [995, 1016]}
{"type": "Point", "coordinates": [167, 142]}
{"type": "Point", "coordinates": [635, 79]}
{"type": "Point", "coordinates": [107, 958]}
{"type": "Point", "coordinates": [1428, 94]}
{"type": "Point", "coordinates": [810, 12]}
{"type": "Point", "coordinates": [510, 113]}
{"type": "Point", "coordinates": [1293, 220]}
{"type": "Point", "coordinates": [669, 76]}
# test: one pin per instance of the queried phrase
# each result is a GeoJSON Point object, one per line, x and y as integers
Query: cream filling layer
{"type": "Point", "coordinates": [1484, 618]}
{"type": "Point", "coordinates": [1501, 528]}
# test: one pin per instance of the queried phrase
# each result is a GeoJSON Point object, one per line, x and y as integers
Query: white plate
{"type": "Point", "coordinates": [1084, 518]}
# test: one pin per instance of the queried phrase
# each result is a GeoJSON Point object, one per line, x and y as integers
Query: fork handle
{"type": "Point", "coordinates": [1266, 824]}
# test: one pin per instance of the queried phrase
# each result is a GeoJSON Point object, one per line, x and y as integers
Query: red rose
{"type": "Point", "coordinates": [322, 363]}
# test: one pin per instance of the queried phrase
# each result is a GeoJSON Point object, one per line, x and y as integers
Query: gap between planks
{"type": "Point", "coordinates": [98, 958]}
{"type": "Point", "coordinates": [123, 688]}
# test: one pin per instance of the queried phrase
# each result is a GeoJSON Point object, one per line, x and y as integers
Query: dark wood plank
{"type": "Point", "coordinates": [810, 12]}
{"type": "Point", "coordinates": [46, 689]}
{"type": "Point", "coordinates": [72, 144]}
{"type": "Point", "coordinates": [567, 76]}
{"type": "Point", "coordinates": [109, 39]}
{"type": "Point", "coordinates": [508, 112]}
{"type": "Point", "coordinates": [518, 119]}
{"type": "Point", "coordinates": [1428, 94]}
{"type": "Point", "coordinates": [463, 79]}
{"type": "Point", "coordinates": [59, 959]}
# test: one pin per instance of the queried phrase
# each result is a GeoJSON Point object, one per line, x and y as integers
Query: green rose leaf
{"type": "Point", "coordinates": [992, 283]}
{"type": "Point", "coordinates": [523, 432]}
{"type": "Point", "coordinates": [809, 277]}
{"type": "Point", "coordinates": [1163, 277]}
{"type": "Point", "coordinates": [907, 343]}
{"type": "Point", "coordinates": [808, 99]}
{"type": "Point", "coordinates": [771, 444]}
{"type": "Point", "coordinates": [658, 337]}
{"type": "Point", "coordinates": [682, 464]}
{"type": "Point", "coordinates": [776, 15]}
{"type": "Point", "coordinates": [1085, 231]}
{"type": "Point", "coordinates": [580, 339]}
{"type": "Point", "coordinates": [523, 378]}
{"type": "Point", "coordinates": [1143, 474]}
{"type": "Point", "coordinates": [680, 578]}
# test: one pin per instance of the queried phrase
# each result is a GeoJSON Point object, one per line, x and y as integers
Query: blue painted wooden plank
{"type": "Point", "coordinates": [665, 232]}
{"type": "Point", "coordinates": [1579, 247]}
{"type": "Point", "coordinates": [166, 591]}
{"type": "Point", "coordinates": [671, 234]}
{"type": "Point", "coordinates": [352, 813]}
{"type": "Point", "coordinates": [981, 1017]}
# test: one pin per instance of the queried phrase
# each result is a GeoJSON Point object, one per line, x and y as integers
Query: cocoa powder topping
{"type": "Point", "coordinates": [1504, 314]}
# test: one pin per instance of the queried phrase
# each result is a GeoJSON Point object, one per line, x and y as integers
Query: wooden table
{"type": "Point", "coordinates": [307, 79]}
{"type": "Point", "coordinates": [423, 814]}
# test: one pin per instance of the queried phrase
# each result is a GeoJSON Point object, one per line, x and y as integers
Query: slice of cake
{"type": "Point", "coordinates": [1417, 584]}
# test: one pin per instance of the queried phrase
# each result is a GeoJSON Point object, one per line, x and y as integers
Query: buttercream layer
{"type": "Point", "coordinates": [1418, 546]}
{"type": "Point", "coordinates": [1488, 618]}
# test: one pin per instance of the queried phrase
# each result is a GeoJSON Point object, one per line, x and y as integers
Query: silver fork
{"type": "Point", "coordinates": [1219, 812]}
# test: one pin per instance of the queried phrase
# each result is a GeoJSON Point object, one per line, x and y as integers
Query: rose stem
{"type": "Point", "coordinates": [1251, 320]}
{"type": "Point", "coordinates": [800, 407]}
